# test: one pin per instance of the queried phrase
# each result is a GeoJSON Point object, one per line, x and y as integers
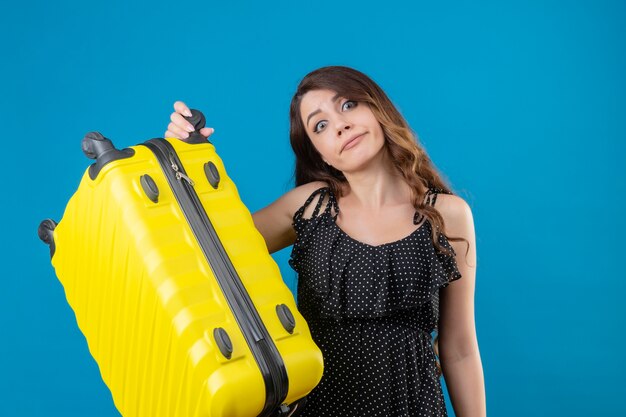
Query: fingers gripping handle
{"type": "Point", "coordinates": [198, 121]}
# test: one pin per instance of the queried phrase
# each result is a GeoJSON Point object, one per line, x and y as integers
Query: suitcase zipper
{"type": "Point", "coordinates": [179, 175]}
{"type": "Point", "coordinates": [258, 338]}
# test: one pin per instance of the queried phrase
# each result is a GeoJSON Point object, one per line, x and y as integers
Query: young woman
{"type": "Point", "coordinates": [378, 238]}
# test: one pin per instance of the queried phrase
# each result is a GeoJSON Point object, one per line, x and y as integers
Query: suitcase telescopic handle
{"type": "Point", "coordinates": [198, 121]}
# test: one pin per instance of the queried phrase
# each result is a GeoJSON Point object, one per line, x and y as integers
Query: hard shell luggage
{"type": "Point", "coordinates": [182, 307]}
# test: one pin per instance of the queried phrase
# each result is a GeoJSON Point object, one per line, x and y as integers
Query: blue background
{"type": "Point", "coordinates": [521, 106]}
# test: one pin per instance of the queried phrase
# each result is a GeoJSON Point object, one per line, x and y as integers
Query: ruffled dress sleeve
{"type": "Point", "coordinates": [446, 268]}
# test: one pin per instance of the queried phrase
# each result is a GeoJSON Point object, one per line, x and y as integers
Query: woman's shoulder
{"type": "Point", "coordinates": [456, 213]}
{"type": "Point", "coordinates": [275, 221]}
{"type": "Point", "coordinates": [450, 203]}
{"type": "Point", "coordinates": [298, 197]}
{"type": "Point", "coordinates": [305, 190]}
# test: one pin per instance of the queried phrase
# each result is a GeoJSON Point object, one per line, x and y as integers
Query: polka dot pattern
{"type": "Point", "coordinates": [371, 310]}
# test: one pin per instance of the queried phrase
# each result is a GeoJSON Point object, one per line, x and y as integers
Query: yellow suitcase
{"type": "Point", "coordinates": [183, 308]}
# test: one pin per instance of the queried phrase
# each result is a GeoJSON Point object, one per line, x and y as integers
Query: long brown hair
{"type": "Point", "coordinates": [407, 154]}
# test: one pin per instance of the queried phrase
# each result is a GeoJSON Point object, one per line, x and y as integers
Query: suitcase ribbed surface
{"type": "Point", "coordinates": [147, 301]}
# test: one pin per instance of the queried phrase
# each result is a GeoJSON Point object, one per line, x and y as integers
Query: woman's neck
{"type": "Point", "coordinates": [375, 186]}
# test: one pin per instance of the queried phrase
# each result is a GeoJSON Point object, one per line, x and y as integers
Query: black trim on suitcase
{"type": "Point", "coordinates": [258, 338]}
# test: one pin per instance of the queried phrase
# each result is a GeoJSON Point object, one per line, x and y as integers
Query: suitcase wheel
{"type": "Point", "coordinates": [95, 146]}
{"type": "Point", "coordinates": [45, 232]}
{"type": "Point", "coordinates": [291, 410]}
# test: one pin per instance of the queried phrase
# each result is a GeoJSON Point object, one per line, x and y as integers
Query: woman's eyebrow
{"type": "Point", "coordinates": [311, 115]}
{"type": "Point", "coordinates": [334, 98]}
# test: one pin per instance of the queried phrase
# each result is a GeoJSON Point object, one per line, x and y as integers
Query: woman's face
{"type": "Point", "coordinates": [345, 132]}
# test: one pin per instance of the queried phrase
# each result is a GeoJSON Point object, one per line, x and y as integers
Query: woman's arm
{"type": "Point", "coordinates": [458, 345]}
{"type": "Point", "coordinates": [275, 221]}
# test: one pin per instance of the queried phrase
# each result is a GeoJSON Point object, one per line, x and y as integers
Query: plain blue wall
{"type": "Point", "coordinates": [522, 106]}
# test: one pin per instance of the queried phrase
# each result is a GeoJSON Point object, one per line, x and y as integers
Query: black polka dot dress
{"type": "Point", "coordinates": [371, 310]}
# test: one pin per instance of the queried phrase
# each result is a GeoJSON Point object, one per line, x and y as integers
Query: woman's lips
{"type": "Point", "coordinates": [353, 142]}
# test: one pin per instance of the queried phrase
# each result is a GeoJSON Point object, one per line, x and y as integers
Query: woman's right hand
{"type": "Point", "coordinates": [179, 127]}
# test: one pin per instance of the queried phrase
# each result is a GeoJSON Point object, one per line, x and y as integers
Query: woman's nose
{"type": "Point", "coordinates": [342, 126]}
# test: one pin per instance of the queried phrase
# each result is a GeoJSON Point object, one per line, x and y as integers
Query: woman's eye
{"type": "Point", "coordinates": [320, 125]}
{"type": "Point", "coordinates": [348, 105]}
